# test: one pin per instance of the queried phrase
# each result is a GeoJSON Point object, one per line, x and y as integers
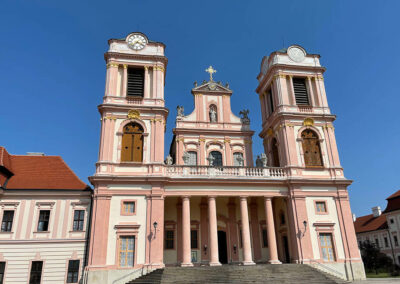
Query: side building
{"type": "Point", "coordinates": [382, 228]}
{"type": "Point", "coordinates": [44, 213]}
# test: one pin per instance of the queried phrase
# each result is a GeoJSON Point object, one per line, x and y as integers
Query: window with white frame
{"type": "Point", "coordinates": [192, 160]}
{"type": "Point", "coordinates": [327, 246]}
{"type": "Point", "coordinates": [79, 219]}
{"type": "Point", "coordinates": [238, 159]}
{"type": "Point", "coordinates": [126, 251]}
{"type": "Point", "coordinates": [6, 223]}
{"type": "Point", "coordinates": [73, 271]}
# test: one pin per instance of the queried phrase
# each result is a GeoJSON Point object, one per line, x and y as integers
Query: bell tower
{"type": "Point", "coordinates": [297, 129]}
{"type": "Point", "coordinates": [133, 112]}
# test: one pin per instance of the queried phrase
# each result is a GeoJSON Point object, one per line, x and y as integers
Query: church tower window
{"type": "Point", "coordinates": [192, 161]}
{"type": "Point", "coordinates": [270, 102]}
{"type": "Point", "coordinates": [213, 113]}
{"type": "Point", "coordinates": [135, 82]}
{"type": "Point", "coordinates": [275, 153]}
{"type": "Point", "coordinates": [300, 91]}
{"type": "Point", "coordinates": [311, 149]}
{"type": "Point", "coordinates": [132, 143]}
{"type": "Point", "coordinates": [217, 158]}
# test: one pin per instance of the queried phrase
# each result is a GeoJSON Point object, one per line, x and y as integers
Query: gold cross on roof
{"type": "Point", "coordinates": [211, 71]}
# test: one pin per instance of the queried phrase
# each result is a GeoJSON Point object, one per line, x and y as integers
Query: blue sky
{"type": "Point", "coordinates": [52, 71]}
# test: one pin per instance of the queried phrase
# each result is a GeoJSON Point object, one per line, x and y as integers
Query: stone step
{"type": "Point", "coordinates": [261, 273]}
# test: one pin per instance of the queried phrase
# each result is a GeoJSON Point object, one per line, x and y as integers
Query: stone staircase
{"type": "Point", "coordinates": [261, 273]}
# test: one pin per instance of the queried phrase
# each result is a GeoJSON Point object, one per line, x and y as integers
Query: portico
{"type": "Point", "coordinates": [214, 229]}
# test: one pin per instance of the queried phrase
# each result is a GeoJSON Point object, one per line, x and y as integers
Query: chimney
{"type": "Point", "coordinates": [376, 211]}
{"type": "Point", "coordinates": [354, 217]}
{"type": "Point", "coordinates": [35, 154]}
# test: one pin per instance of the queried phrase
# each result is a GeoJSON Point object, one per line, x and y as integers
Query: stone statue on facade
{"type": "Point", "coordinates": [185, 158]}
{"type": "Point", "coordinates": [210, 160]}
{"type": "Point", "coordinates": [180, 111]}
{"type": "Point", "coordinates": [195, 84]}
{"type": "Point", "coordinates": [213, 115]}
{"type": "Point", "coordinates": [245, 116]}
{"type": "Point", "coordinates": [264, 160]}
{"type": "Point", "coordinates": [259, 163]}
{"type": "Point", "coordinates": [168, 160]}
{"type": "Point", "coordinates": [240, 160]}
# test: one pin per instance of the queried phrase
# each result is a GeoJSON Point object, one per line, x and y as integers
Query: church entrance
{"type": "Point", "coordinates": [286, 249]}
{"type": "Point", "coordinates": [222, 248]}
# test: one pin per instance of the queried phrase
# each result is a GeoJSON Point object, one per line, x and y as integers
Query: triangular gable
{"type": "Point", "coordinates": [212, 87]}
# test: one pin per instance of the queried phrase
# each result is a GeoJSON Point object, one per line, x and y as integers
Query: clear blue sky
{"type": "Point", "coordinates": [52, 71]}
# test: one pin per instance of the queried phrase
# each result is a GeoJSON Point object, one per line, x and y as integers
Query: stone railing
{"type": "Point", "coordinates": [224, 172]}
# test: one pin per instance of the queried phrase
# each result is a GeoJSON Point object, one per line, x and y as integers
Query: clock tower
{"type": "Point", "coordinates": [133, 117]}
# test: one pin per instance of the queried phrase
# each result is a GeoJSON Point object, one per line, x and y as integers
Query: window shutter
{"type": "Point", "coordinates": [135, 82]}
{"type": "Point", "coordinates": [300, 91]}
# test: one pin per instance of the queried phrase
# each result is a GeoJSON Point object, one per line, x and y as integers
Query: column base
{"type": "Point", "coordinates": [274, 262]}
{"type": "Point", "coordinates": [214, 264]}
{"type": "Point", "coordinates": [248, 263]}
{"type": "Point", "coordinates": [189, 264]}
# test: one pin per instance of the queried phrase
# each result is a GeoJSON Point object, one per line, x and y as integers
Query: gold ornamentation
{"type": "Point", "coordinates": [202, 140]}
{"type": "Point", "coordinates": [270, 132]}
{"type": "Point", "coordinates": [210, 70]}
{"type": "Point", "coordinates": [248, 142]}
{"type": "Point", "coordinates": [133, 114]}
{"type": "Point", "coordinates": [112, 65]}
{"type": "Point", "coordinates": [320, 77]}
{"type": "Point", "coordinates": [308, 121]}
{"type": "Point", "coordinates": [146, 68]}
{"type": "Point", "coordinates": [227, 140]}
{"type": "Point", "coordinates": [160, 68]}
{"type": "Point", "coordinates": [125, 66]}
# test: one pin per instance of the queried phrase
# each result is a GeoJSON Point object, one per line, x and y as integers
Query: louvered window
{"type": "Point", "coordinates": [270, 103]}
{"type": "Point", "coordinates": [135, 82]}
{"type": "Point", "coordinates": [300, 91]}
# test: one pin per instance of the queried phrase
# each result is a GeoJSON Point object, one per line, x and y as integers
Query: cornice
{"type": "Point", "coordinates": [118, 55]}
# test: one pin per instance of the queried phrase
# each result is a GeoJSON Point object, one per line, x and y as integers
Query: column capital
{"type": "Point", "coordinates": [184, 197]}
{"type": "Point", "coordinates": [267, 197]}
{"type": "Point", "coordinates": [210, 197]}
{"type": "Point", "coordinates": [243, 197]}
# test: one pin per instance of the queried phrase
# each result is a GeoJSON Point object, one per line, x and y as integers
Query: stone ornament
{"type": "Point", "coordinates": [180, 111]}
{"type": "Point", "coordinates": [185, 158]}
{"type": "Point", "coordinates": [168, 160]}
{"type": "Point", "coordinates": [210, 160]}
{"type": "Point", "coordinates": [213, 115]}
{"type": "Point", "coordinates": [296, 53]}
{"type": "Point", "coordinates": [240, 160]}
{"type": "Point", "coordinates": [245, 116]}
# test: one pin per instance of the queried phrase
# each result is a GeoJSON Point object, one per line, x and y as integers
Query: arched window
{"type": "Point", "coordinates": [311, 149]}
{"type": "Point", "coordinates": [238, 159]}
{"type": "Point", "coordinates": [275, 153]}
{"type": "Point", "coordinates": [217, 158]}
{"type": "Point", "coordinates": [192, 161]}
{"type": "Point", "coordinates": [213, 113]}
{"type": "Point", "coordinates": [132, 143]}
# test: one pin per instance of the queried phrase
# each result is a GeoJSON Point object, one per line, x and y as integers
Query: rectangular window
{"type": "Point", "coordinates": [135, 85]}
{"type": "Point", "coordinates": [169, 239]}
{"type": "Point", "coordinates": [2, 271]}
{"type": "Point", "coordinates": [327, 247]}
{"type": "Point", "coordinates": [129, 207]}
{"type": "Point", "coordinates": [377, 243]}
{"type": "Point", "coordinates": [386, 241]}
{"type": "Point", "coordinates": [36, 272]}
{"type": "Point", "coordinates": [79, 218]}
{"type": "Point", "coordinates": [321, 206]}
{"type": "Point", "coordinates": [265, 238]}
{"type": "Point", "coordinates": [300, 91]}
{"type": "Point", "coordinates": [6, 224]}
{"type": "Point", "coordinates": [73, 271]}
{"type": "Point", "coordinates": [194, 239]}
{"type": "Point", "coordinates": [44, 217]}
{"type": "Point", "coordinates": [270, 102]}
{"type": "Point", "coordinates": [126, 251]}
{"type": "Point", "coordinates": [396, 241]}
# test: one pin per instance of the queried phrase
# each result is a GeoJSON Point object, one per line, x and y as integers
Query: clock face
{"type": "Point", "coordinates": [137, 41]}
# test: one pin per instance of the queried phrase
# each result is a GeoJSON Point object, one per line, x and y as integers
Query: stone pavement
{"type": "Point", "coordinates": [378, 281]}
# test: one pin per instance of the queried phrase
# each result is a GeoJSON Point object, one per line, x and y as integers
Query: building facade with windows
{"type": "Point", "coordinates": [44, 213]}
{"type": "Point", "coordinates": [382, 228]}
{"type": "Point", "coordinates": [207, 202]}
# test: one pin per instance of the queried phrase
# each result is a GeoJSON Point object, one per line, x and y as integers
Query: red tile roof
{"type": "Point", "coordinates": [396, 194]}
{"type": "Point", "coordinates": [5, 162]}
{"type": "Point", "coordinates": [40, 172]}
{"type": "Point", "coordinates": [370, 223]}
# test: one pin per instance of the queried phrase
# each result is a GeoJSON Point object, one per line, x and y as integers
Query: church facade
{"type": "Point", "coordinates": [207, 202]}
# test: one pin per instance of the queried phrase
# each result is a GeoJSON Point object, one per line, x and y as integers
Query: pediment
{"type": "Point", "coordinates": [212, 87]}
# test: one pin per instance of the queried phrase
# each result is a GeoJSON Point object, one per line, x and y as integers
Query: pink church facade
{"type": "Point", "coordinates": [207, 202]}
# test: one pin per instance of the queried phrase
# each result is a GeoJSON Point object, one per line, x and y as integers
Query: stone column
{"type": "Point", "coordinates": [146, 91]}
{"type": "Point", "coordinates": [186, 232]}
{"type": "Point", "coordinates": [247, 255]}
{"type": "Point", "coordinates": [269, 217]}
{"type": "Point", "coordinates": [124, 81]}
{"type": "Point", "coordinates": [212, 216]}
{"type": "Point", "coordinates": [291, 87]}
{"type": "Point", "coordinates": [310, 91]}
